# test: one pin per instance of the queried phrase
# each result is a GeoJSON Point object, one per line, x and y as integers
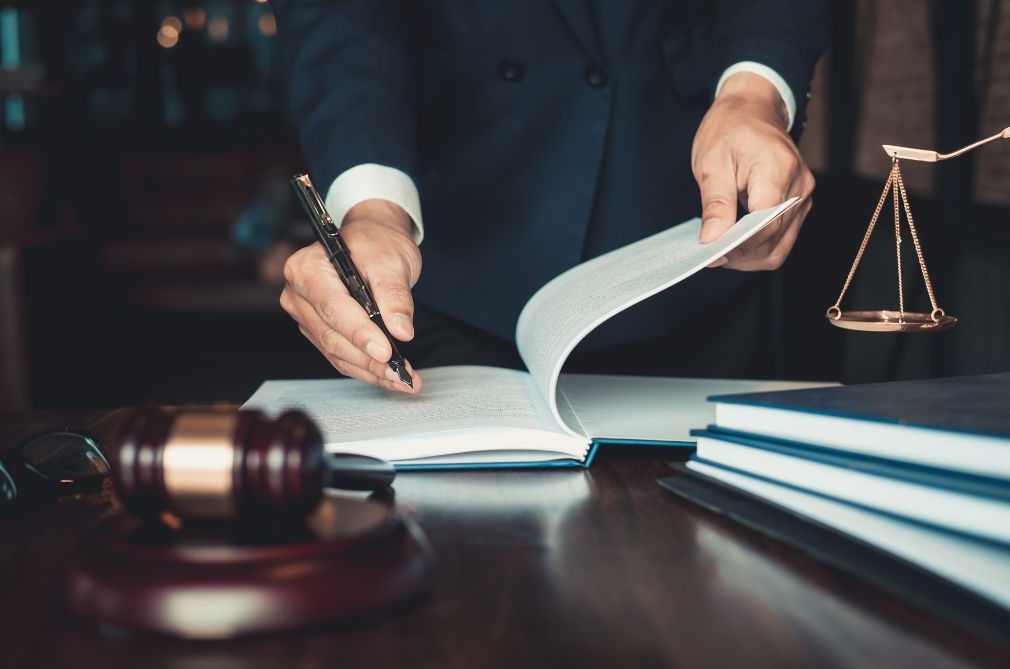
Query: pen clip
{"type": "Point", "coordinates": [313, 204]}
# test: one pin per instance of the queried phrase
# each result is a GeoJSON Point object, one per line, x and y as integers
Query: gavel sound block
{"type": "Point", "coordinates": [227, 533]}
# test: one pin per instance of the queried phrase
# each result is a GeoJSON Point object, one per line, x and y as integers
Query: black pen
{"type": "Point", "coordinates": [340, 258]}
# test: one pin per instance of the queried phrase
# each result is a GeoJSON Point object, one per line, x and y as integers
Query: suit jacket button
{"type": "Point", "coordinates": [596, 77]}
{"type": "Point", "coordinates": [511, 70]}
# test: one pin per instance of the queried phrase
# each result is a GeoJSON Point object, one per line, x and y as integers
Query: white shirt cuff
{"type": "Point", "coordinates": [773, 77]}
{"type": "Point", "coordinates": [370, 181]}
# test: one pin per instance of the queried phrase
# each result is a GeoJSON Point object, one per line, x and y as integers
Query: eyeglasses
{"type": "Point", "coordinates": [51, 464]}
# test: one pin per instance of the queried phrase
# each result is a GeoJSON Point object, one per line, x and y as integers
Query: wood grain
{"type": "Point", "coordinates": [533, 569]}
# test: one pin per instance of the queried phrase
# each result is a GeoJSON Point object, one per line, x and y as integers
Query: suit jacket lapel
{"type": "Point", "coordinates": [576, 15]}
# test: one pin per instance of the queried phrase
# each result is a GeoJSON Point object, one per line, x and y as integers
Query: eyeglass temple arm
{"type": "Point", "coordinates": [926, 156]}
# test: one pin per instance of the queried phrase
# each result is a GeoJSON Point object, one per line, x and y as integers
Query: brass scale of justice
{"type": "Point", "coordinates": [885, 320]}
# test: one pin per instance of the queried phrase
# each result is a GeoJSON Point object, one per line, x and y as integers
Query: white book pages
{"type": "Point", "coordinates": [973, 514]}
{"type": "Point", "coordinates": [571, 305]}
{"type": "Point", "coordinates": [651, 408]}
{"type": "Point", "coordinates": [463, 409]}
{"type": "Point", "coordinates": [979, 566]}
{"type": "Point", "coordinates": [959, 451]}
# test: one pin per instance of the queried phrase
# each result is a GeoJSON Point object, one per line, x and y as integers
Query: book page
{"type": "Point", "coordinates": [652, 408]}
{"type": "Point", "coordinates": [979, 566]}
{"type": "Point", "coordinates": [571, 305]}
{"type": "Point", "coordinates": [454, 398]}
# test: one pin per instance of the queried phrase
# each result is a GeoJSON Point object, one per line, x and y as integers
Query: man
{"type": "Point", "coordinates": [537, 134]}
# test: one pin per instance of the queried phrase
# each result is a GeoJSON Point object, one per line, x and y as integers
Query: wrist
{"type": "Point", "coordinates": [746, 88]}
{"type": "Point", "coordinates": [381, 212]}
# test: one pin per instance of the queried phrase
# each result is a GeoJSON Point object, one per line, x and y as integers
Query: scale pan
{"type": "Point", "coordinates": [890, 321]}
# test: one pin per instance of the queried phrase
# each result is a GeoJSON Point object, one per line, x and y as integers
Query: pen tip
{"type": "Point", "coordinates": [405, 376]}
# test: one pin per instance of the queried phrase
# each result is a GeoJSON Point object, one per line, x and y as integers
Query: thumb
{"type": "Point", "coordinates": [718, 203]}
{"type": "Point", "coordinates": [390, 284]}
{"type": "Point", "coordinates": [766, 190]}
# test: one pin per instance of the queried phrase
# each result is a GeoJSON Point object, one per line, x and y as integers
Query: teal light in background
{"type": "Point", "coordinates": [14, 112]}
{"type": "Point", "coordinates": [10, 39]}
{"type": "Point", "coordinates": [10, 59]}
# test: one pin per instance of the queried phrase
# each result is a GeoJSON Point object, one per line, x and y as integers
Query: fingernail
{"type": "Point", "coordinates": [403, 324]}
{"type": "Point", "coordinates": [706, 234]}
{"type": "Point", "coordinates": [391, 375]}
{"type": "Point", "coordinates": [377, 351]}
{"type": "Point", "coordinates": [720, 262]}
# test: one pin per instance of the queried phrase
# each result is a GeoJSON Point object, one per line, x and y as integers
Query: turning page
{"type": "Point", "coordinates": [571, 305]}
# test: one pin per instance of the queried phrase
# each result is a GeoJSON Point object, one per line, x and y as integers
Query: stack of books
{"type": "Point", "coordinates": [917, 469]}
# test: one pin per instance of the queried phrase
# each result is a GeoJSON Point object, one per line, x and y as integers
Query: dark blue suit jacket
{"type": "Point", "coordinates": [539, 132]}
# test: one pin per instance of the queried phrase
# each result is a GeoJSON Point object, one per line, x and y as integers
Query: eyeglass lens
{"type": "Point", "coordinates": [61, 456]}
{"type": "Point", "coordinates": [8, 491]}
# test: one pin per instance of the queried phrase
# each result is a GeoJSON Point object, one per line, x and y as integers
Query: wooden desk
{"type": "Point", "coordinates": [542, 568]}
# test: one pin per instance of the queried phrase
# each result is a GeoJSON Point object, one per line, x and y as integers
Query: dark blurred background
{"type": "Point", "coordinates": [145, 214]}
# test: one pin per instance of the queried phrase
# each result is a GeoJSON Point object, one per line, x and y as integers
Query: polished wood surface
{"type": "Point", "coordinates": [352, 559]}
{"type": "Point", "coordinates": [535, 568]}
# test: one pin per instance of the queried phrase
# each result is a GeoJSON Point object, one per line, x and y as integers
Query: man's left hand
{"type": "Point", "coordinates": [742, 153]}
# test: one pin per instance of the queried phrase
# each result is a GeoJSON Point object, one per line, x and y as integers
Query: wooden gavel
{"type": "Point", "coordinates": [253, 561]}
{"type": "Point", "coordinates": [230, 465]}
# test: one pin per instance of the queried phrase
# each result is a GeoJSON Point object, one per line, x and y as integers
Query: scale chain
{"type": "Point", "coordinates": [897, 237]}
{"type": "Point", "coordinates": [915, 241]}
{"type": "Point", "coordinates": [866, 239]}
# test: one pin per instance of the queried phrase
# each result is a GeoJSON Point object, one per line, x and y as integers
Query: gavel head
{"type": "Point", "coordinates": [225, 466]}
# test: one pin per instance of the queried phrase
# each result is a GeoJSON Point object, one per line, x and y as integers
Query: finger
{"type": "Point", "coordinates": [333, 344]}
{"type": "Point", "coordinates": [769, 185]}
{"type": "Point", "coordinates": [333, 321]}
{"type": "Point", "coordinates": [755, 247]}
{"type": "Point", "coordinates": [766, 189]}
{"type": "Point", "coordinates": [341, 353]}
{"type": "Point", "coordinates": [287, 301]}
{"type": "Point", "coordinates": [762, 242]}
{"type": "Point", "coordinates": [717, 182]}
{"type": "Point", "coordinates": [750, 254]}
{"type": "Point", "coordinates": [397, 385]}
{"type": "Point", "coordinates": [367, 375]}
{"type": "Point", "coordinates": [390, 284]}
{"type": "Point", "coordinates": [388, 381]}
{"type": "Point", "coordinates": [790, 233]}
{"type": "Point", "coordinates": [321, 333]}
{"type": "Point", "coordinates": [389, 279]}
{"type": "Point", "coordinates": [770, 182]}
{"type": "Point", "coordinates": [309, 269]}
{"type": "Point", "coordinates": [342, 313]}
{"type": "Point", "coordinates": [315, 280]}
{"type": "Point", "coordinates": [773, 254]}
{"type": "Point", "coordinates": [754, 254]}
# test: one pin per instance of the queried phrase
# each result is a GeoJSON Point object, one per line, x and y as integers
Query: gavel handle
{"type": "Point", "coordinates": [357, 472]}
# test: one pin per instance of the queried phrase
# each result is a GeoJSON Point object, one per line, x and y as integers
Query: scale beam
{"type": "Point", "coordinates": [899, 320]}
{"type": "Point", "coordinates": [927, 156]}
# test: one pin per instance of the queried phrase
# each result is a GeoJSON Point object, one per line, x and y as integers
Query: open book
{"type": "Point", "coordinates": [470, 416]}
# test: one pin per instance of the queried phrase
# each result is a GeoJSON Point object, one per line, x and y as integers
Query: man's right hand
{"type": "Point", "coordinates": [379, 235]}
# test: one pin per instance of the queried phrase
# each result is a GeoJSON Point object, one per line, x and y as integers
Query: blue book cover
{"type": "Point", "coordinates": [978, 405]}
